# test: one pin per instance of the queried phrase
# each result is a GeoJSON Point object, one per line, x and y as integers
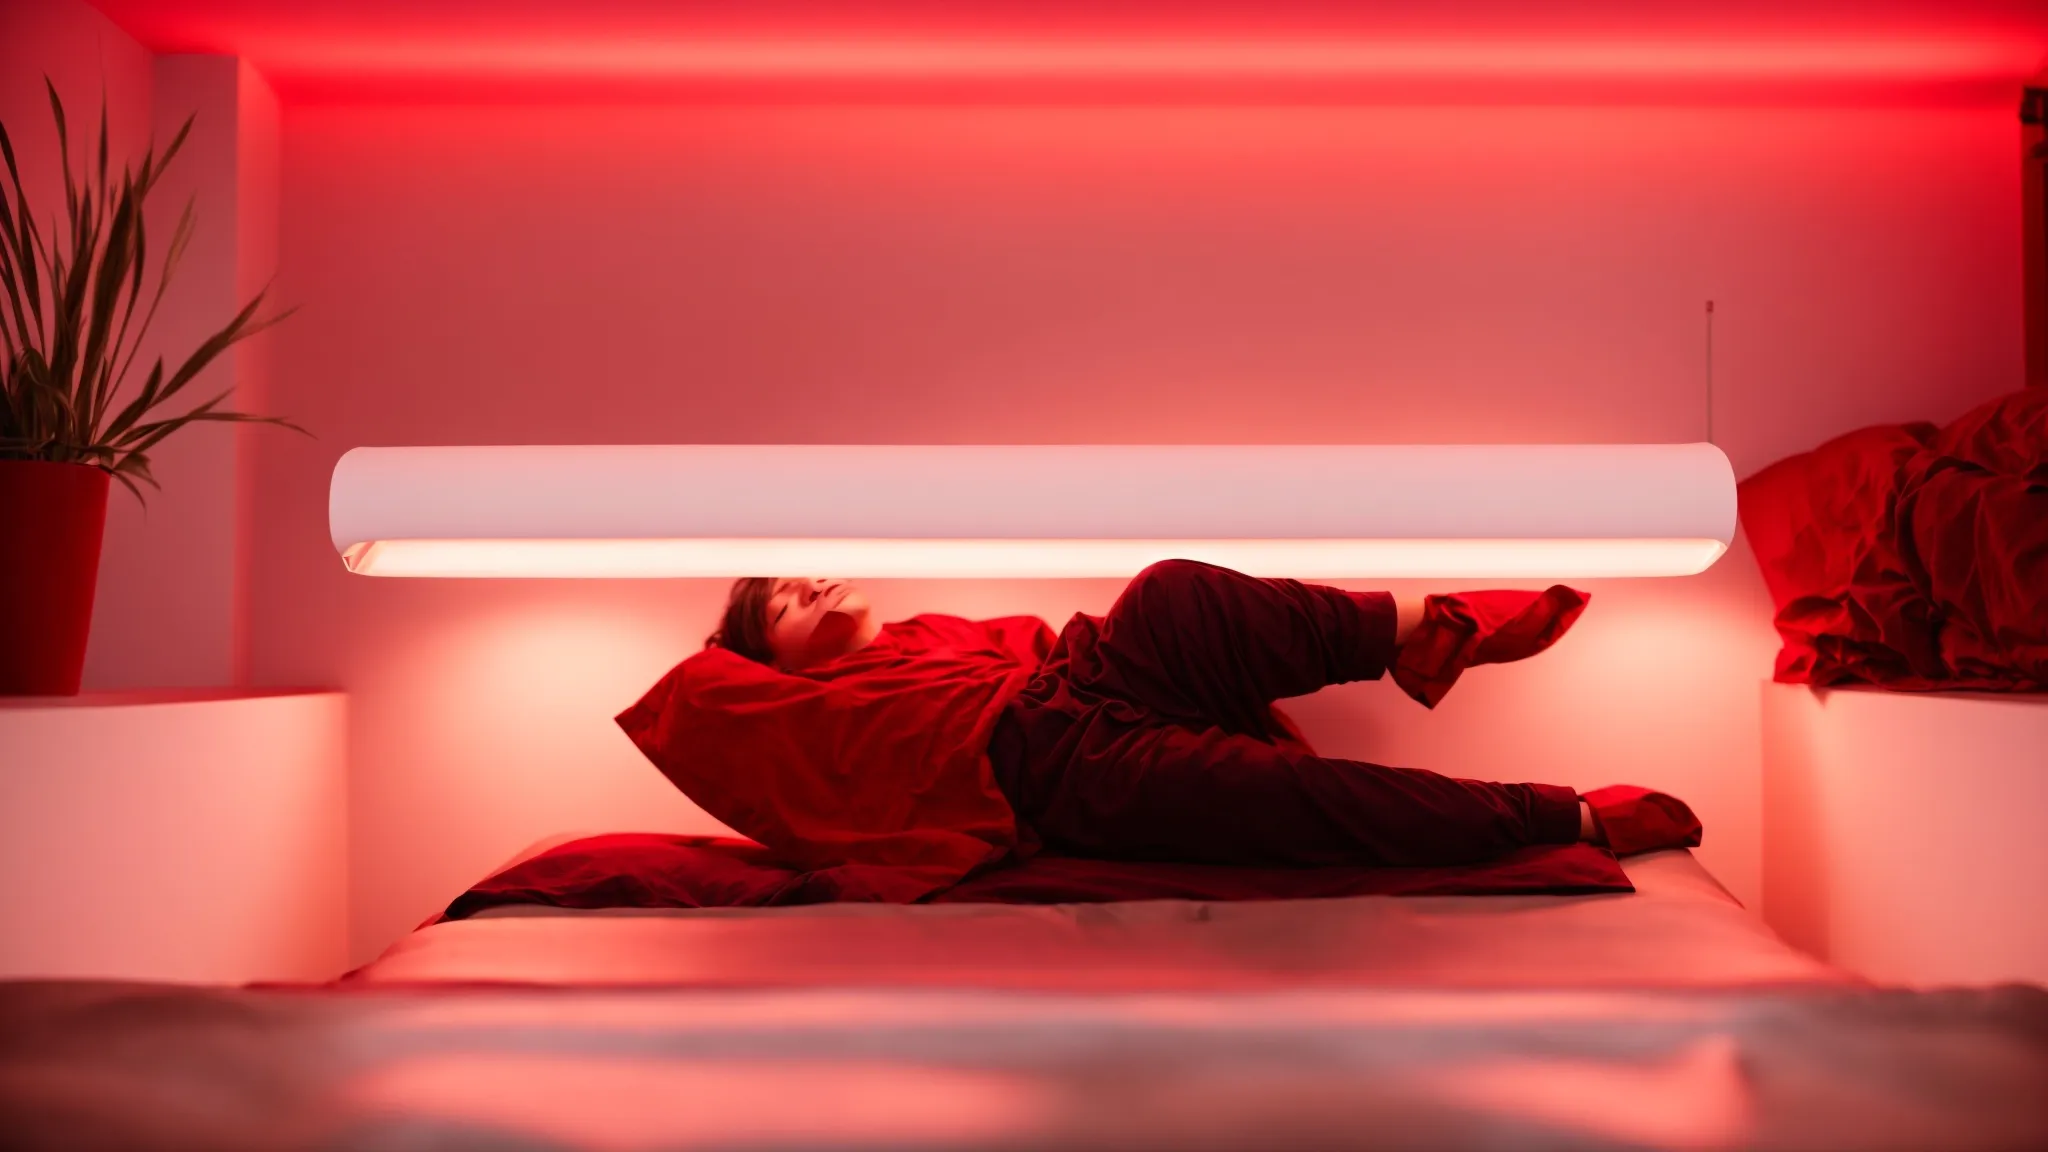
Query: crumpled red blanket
{"type": "Point", "coordinates": [872, 769]}
{"type": "Point", "coordinates": [1463, 629]}
{"type": "Point", "coordinates": [1911, 557]}
{"type": "Point", "coordinates": [659, 870]}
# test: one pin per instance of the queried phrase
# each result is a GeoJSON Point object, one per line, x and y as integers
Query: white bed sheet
{"type": "Point", "coordinates": [1679, 929]}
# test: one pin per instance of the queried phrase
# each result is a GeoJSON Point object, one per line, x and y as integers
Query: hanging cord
{"type": "Point", "coordinates": [1710, 371]}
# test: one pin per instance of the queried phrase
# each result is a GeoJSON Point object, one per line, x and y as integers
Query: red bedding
{"type": "Point", "coordinates": [655, 870]}
{"type": "Point", "coordinates": [1912, 557]}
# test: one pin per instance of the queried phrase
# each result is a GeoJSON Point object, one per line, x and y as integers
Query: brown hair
{"type": "Point", "coordinates": [744, 629]}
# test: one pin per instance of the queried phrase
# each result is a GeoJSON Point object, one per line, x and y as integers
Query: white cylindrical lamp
{"type": "Point", "coordinates": [1308, 511]}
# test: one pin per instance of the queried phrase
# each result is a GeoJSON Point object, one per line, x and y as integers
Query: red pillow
{"type": "Point", "coordinates": [1846, 607]}
{"type": "Point", "coordinates": [653, 870]}
{"type": "Point", "coordinates": [638, 870]}
{"type": "Point", "coordinates": [1976, 513]}
{"type": "Point", "coordinates": [872, 769]}
{"type": "Point", "coordinates": [1912, 558]}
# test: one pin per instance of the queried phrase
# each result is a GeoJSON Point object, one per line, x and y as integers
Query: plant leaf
{"type": "Point", "coordinates": [8, 274]}
{"type": "Point", "coordinates": [164, 161]}
{"type": "Point", "coordinates": [140, 406]}
{"type": "Point", "coordinates": [143, 437]}
{"type": "Point", "coordinates": [106, 295]}
{"type": "Point", "coordinates": [26, 245]}
{"type": "Point", "coordinates": [41, 390]}
{"type": "Point", "coordinates": [132, 468]}
{"type": "Point", "coordinates": [180, 237]}
{"type": "Point", "coordinates": [63, 149]}
{"type": "Point", "coordinates": [103, 134]}
{"type": "Point", "coordinates": [213, 346]}
{"type": "Point", "coordinates": [125, 482]}
{"type": "Point", "coordinates": [66, 364]}
{"type": "Point", "coordinates": [15, 242]}
{"type": "Point", "coordinates": [7, 153]}
{"type": "Point", "coordinates": [117, 363]}
{"type": "Point", "coordinates": [68, 319]}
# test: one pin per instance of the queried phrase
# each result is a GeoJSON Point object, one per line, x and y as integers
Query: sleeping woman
{"type": "Point", "coordinates": [1150, 732]}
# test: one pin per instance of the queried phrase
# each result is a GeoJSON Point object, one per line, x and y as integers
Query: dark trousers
{"type": "Point", "coordinates": [1150, 733]}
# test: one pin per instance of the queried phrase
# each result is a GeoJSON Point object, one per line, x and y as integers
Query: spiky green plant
{"type": "Point", "coordinates": [68, 325]}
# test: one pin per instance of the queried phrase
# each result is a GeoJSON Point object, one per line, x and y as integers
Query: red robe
{"type": "Point", "coordinates": [1151, 734]}
{"type": "Point", "coordinates": [1148, 733]}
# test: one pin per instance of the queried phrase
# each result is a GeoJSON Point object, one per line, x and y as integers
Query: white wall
{"type": "Point", "coordinates": [177, 615]}
{"type": "Point", "coordinates": [1058, 274]}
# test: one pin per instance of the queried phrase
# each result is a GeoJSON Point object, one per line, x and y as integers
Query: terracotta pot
{"type": "Point", "coordinates": [51, 519]}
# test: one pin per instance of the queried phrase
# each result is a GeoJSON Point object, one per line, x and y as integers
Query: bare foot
{"type": "Point", "coordinates": [1407, 614]}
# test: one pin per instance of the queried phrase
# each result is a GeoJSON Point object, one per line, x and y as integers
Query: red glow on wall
{"type": "Point", "coordinates": [1569, 52]}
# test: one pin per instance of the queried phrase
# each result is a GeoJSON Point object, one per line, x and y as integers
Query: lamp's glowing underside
{"type": "Point", "coordinates": [1315, 512]}
{"type": "Point", "coordinates": [1306, 559]}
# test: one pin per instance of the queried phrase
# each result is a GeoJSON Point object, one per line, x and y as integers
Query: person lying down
{"type": "Point", "coordinates": [938, 745]}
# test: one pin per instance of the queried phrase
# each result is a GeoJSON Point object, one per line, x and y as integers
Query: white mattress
{"type": "Point", "coordinates": [1679, 929]}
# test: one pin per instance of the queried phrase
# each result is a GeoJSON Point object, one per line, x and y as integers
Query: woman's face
{"type": "Point", "coordinates": [814, 619]}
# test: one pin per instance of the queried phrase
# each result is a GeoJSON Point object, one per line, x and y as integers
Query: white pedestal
{"type": "Point", "coordinates": [188, 835]}
{"type": "Point", "coordinates": [1904, 833]}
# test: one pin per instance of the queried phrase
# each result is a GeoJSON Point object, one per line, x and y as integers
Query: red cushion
{"type": "Point", "coordinates": [637, 870]}
{"type": "Point", "coordinates": [1912, 558]}
{"type": "Point", "coordinates": [652, 870]}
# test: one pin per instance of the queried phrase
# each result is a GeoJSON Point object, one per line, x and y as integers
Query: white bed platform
{"type": "Point", "coordinates": [1679, 929]}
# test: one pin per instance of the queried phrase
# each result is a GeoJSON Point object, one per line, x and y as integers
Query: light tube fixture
{"type": "Point", "coordinates": [1310, 511]}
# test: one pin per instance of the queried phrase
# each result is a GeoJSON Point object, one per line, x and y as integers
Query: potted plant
{"type": "Point", "coordinates": [69, 423]}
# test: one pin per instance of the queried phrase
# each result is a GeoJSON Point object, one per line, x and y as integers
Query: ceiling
{"type": "Point", "coordinates": [1424, 49]}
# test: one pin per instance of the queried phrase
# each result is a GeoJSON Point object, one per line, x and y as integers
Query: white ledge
{"type": "Point", "coordinates": [1902, 831]}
